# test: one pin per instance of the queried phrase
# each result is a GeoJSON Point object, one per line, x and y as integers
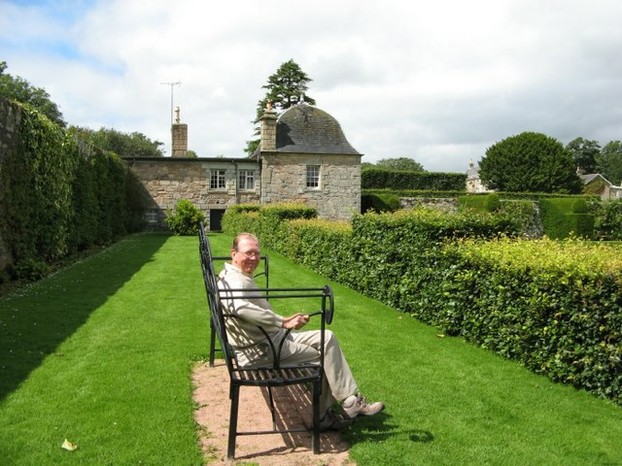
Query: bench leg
{"type": "Point", "coordinates": [212, 345]}
{"type": "Point", "coordinates": [315, 442]}
{"type": "Point", "coordinates": [272, 410]}
{"type": "Point", "coordinates": [233, 420]}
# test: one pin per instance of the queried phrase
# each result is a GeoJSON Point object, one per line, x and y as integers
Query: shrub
{"type": "Point", "coordinates": [563, 217]}
{"type": "Point", "coordinates": [381, 202]}
{"type": "Point", "coordinates": [374, 178]}
{"type": "Point", "coordinates": [185, 220]}
{"type": "Point", "coordinates": [482, 202]}
{"type": "Point", "coordinates": [608, 220]}
{"type": "Point", "coordinates": [555, 306]}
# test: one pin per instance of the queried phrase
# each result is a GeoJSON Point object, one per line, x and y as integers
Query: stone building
{"type": "Point", "coordinates": [303, 157]}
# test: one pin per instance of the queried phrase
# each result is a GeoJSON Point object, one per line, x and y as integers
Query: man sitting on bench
{"type": "Point", "coordinates": [252, 349]}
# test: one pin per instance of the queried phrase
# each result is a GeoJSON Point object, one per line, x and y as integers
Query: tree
{"type": "Point", "coordinates": [286, 87]}
{"type": "Point", "coordinates": [405, 164]}
{"type": "Point", "coordinates": [125, 144]}
{"type": "Point", "coordinates": [610, 162]}
{"type": "Point", "coordinates": [16, 88]}
{"type": "Point", "coordinates": [529, 162]}
{"type": "Point", "coordinates": [585, 153]}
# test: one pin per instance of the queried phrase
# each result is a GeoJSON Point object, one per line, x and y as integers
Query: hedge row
{"type": "Point", "coordinates": [374, 178]}
{"type": "Point", "coordinates": [607, 219]}
{"type": "Point", "coordinates": [554, 306]}
{"type": "Point", "coordinates": [56, 199]}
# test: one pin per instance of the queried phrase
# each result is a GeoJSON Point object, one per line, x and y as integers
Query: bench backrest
{"type": "Point", "coordinates": [213, 297]}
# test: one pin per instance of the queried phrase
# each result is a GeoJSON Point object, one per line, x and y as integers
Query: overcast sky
{"type": "Point", "coordinates": [438, 81]}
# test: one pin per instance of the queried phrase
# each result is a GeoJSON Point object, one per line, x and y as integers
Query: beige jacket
{"type": "Point", "coordinates": [249, 314]}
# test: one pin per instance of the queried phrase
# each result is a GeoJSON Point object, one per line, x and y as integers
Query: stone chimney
{"type": "Point", "coordinates": [268, 129]}
{"type": "Point", "coordinates": [179, 132]}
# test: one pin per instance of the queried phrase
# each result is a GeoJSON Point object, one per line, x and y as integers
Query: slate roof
{"type": "Point", "coordinates": [592, 176]}
{"type": "Point", "coordinates": [306, 129]}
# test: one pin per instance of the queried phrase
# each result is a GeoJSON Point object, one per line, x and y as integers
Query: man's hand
{"type": "Point", "coordinates": [296, 321]}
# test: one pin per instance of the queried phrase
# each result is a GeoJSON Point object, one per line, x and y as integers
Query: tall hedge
{"type": "Point", "coordinates": [554, 306]}
{"type": "Point", "coordinates": [374, 178]}
{"type": "Point", "coordinates": [56, 198]}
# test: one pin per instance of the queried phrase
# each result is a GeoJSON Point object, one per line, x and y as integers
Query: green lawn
{"type": "Point", "coordinates": [101, 354]}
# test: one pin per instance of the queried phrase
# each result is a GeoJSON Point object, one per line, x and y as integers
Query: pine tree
{"type": "Point", "coordinates": [286, 87]}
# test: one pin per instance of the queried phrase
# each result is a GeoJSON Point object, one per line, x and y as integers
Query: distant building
{"type": "Point", "coordinates": [303, 157]}
{"type": "Point", "coordinates": [595, 183]}
{"type": "Point", "coordinates": [473, 182]}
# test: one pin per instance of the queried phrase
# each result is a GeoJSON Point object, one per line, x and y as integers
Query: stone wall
{"type": "Point", "coordinates": [10, 118]}
{"type": "Point", "coordinates": [442, 203]}
{"type": "Point", "coordinates": [284, 178]}
{"type": "Point", "coordinates": [167, 180]}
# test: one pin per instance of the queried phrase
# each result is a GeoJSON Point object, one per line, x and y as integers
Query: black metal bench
{"type": "Point", "coordinates": [265, 376]}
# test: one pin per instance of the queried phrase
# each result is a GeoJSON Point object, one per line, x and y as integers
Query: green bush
{"type": "Point", "coordinates": [382, 202]}
{"type": "Point", "coordinates": [564, 217]}
{"type": "Point", "coordinates": [59, 196]}
{"type": "Point", "coordinates": [324, 246]}
{"type": "Point", "coordinates": [554, 306]}
{"type": "Point", "coordinates": [241, 218]}
{"type": "Point", "coordinates": [482, 202]}
{"type": "Point", "coordinates": [608, 220]}
{"type": "Point", "coordinates": [185, 219]}
{"type": "Point", "coordinates": [374, 178]}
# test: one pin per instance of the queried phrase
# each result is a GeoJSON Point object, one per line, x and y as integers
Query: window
{"type": "Point", "coordinates": [246, 179]}
{"type": "Point", "coordinates": [313, 176]}
{"type": "Point", "coordinates": [152, 216]}
{"type": "Point", "coordinates": [217, 179]}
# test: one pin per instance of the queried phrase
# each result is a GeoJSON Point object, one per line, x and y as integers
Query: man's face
{"type": "Point", "coordinates": [247, 256]}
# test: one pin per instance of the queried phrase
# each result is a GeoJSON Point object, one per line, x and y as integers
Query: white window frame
{"type": "Point", "coordinates": [246, 180]}
{"type": "Point", "coordinates": [314, 177]}
{"type": "Point", "coordinates": [218, 179]}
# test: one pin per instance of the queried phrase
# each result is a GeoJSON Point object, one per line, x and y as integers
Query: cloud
{"type": "Point", "coordinates": [437, 81]}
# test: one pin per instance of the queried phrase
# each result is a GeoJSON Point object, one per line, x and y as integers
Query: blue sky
{"type": "Point", "coordinates": [436, 81]}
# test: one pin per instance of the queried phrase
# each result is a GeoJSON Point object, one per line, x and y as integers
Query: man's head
{"type": "Point", "coordinates": [245, 253]}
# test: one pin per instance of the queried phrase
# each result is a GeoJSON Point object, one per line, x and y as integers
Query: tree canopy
{"type": "Point", "coordinates": [125, 144]}
{"type": "Point", "coordinates": [585, 154]}
{"type": "Point", "coordinates": [405, 164]}
{"type": "Point", "coordinates": [16, 88]}
{"type": "Point", "coordinates": [609, 162]}
{"type": "Point", "coordinates": [529, 162]}
{"type": "Point", "coordinates": [286, 87]}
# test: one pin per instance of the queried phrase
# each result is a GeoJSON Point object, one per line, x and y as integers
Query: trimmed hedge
{"type": "Point", "coordinates": [554, 306]}
{"type": "Point", "coordinates": [565, 217]}
{"type": "Point", "coordinates": [57, 197]}
{"type": "Point", "coordinates": [486, 203]}
{"type": "Point", "coordinates": [374, 178]}
{"type": "Point", "coordinates": [607, 219]}
{"type": "Point", "coordinates": [381, 202]}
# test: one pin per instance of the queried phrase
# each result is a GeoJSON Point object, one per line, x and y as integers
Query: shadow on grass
{"type": "Point", "coordinates": [379, 428]}
{"type": "Point", "coordinates": [37, 318]}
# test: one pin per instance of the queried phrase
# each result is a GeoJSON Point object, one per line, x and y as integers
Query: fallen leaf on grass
{"type": "Point", "coordinates": [69, 446]}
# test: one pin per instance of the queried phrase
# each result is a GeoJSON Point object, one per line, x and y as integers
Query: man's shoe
{"type": "Point", "coordinates": [356, 404]}
{"type": "Point", "coordinates": [333, 422]}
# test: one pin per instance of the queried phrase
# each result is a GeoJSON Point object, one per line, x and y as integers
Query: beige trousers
{"type": "Point", "coordinates": [339, 383]}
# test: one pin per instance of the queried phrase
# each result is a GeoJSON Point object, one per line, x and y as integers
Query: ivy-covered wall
{"type": "Point", "coordinates": [57, 196]}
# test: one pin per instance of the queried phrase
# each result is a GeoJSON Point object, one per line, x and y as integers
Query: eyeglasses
{"type": "Point", "coordinates": [250, 253]}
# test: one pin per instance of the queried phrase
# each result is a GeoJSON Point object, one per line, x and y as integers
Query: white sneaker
{"type": "Point", "coordinates": [356, 404]}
